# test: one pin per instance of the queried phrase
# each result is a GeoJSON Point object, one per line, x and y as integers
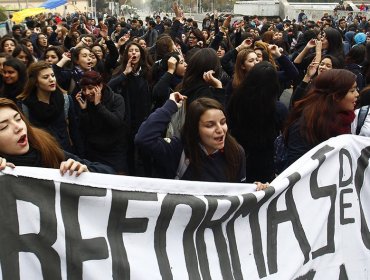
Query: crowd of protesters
{"type": "Point", "coordinates": [176, 98]}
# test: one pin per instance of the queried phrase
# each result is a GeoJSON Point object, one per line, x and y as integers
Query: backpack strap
{"type": "Point", "coordinates": [183, 165]}
{"type": "Point", "coordinates": [362, 114]}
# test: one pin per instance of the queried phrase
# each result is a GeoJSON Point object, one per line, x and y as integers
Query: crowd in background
{"type": "Point", "coordinates": [176, 98]}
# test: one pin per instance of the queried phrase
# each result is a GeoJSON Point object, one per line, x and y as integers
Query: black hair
{"type": "Point", "coordinates": [22, 48]}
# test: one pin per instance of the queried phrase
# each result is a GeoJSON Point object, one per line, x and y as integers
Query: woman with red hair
{"type": "Point", "coordinates": [326, 111]}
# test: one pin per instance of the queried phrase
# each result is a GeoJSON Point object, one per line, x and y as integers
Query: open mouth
{"type": "Point", "coordinates": [23, 140]}
{"type": "Point", "coordinates": [219, 139]}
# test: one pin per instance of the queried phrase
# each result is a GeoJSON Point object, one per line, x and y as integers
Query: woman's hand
{"type": "Point", "coordinates": [123, 39]}
{"type": "Point", "coordinates": [66, 56]}
{"type": "Point", "coordinates": [212, 81]}
{"type": "Point", "coordinates": [178, 98]}
{"type": "Point", "coordinates": [171, 64]}
{"type": "Point", "coordinates": [275, 51]}
{"type": "Point", "coordinates": [226, 23]}
{"type": "Point", "coordinates": [215, 14]}
{"type": "Point", "coordinates": [104, 33]}
{"type": "Point", "coordinates": [318, 46]}
{"type": "Point", "coordinates": [261, 186]}
{"type": "Point", "coordinates": [311, 44]}
{"type": "Point", "coordinates": [81, 101]}
{"type": "Point", "coordinates": [4, 163]}
{"type": "Point", "coordinates": [82, 43]}
{"type": "Point", "coordinates": [72, 166]}
{"type": "Point", "coordinates": [177, 11]}
{"type": "Point", "coordinates": [246, 44]}
{"type": "Point", "coordinates": [97, 95]}
{"type": "Point", "coordinates": [129, 67]}
{"type": "Point", "coordinates": [311, 70]}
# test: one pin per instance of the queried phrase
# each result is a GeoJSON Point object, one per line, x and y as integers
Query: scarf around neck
{"type": "Point", "coordinates": [45, 112]}
{"type": "Point", "coordinates": [31, 158]}
{"type": "Point", "coordinates": [342, 123]}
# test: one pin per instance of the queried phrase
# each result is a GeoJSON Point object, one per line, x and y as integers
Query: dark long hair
{"type": "Point", "coordinates": [11, 91]}
{"type": "Point", "coordinates": [335, 43]}
{"type": "Point", "coordinates": [32, 84]}
{"type": "Point", "coordinates": [142, 62]}
{"type": "Point", "coordinates": [356, 55]}
{"type": "Point", "coordinates": [191, 138]}
{"type": "Point", "coordinates": [202, 61]}
{"type": "Point", "coordinates": [319, 108]}
{"type": "Point", "coordinates": [22, 48]}
{"type": "Point", "coordinates": [58, 51]}
{"type": "Point", "coordinates": [253, 105]}
{"type": "Point", "coordinates": [51, 153]}
{"type": "Point", "coordinates": [239, 72]}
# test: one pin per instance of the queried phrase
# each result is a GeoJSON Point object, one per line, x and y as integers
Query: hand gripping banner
{"type": "Point", "coordinates": [312, 223]}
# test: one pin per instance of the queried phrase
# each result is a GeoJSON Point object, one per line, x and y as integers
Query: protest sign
{"type": "Point", "coordinates": [312, 223]}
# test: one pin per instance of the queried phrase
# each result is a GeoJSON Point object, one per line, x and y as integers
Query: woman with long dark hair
{"type": "Point", "coordinates": [354, 61]}
{"type": "Point", "coordinates": [256, 119]}
{"type": "Point", "coordinates": [25, 145]}
{"type": "Point", "coordinates": [245, 61]}
{"type": "Point", "coordinates": [7, 45]}
{"type": "Point", "coordinates": [204, 152]}
{"type": "Point", "coordinates": [201, 77]}
{"type": "Point", "coordinates": [14, 78]}
{"type": "Point", "coordinates": [22, 53]}
{"type": "Point", "coordinates": [70, 78]}
{"type": "Point", "coordinates": [131, 80]}
{"type": "Point", "coordinates": [47, 107]}
{"type": "Point", "coordinates": [315, 69]}
{"type": "Point", "coordinates": [53, 55]}
{"type": "Point", "coordinates": [326, 111]}
{"type": "Point", "coordinates": [328, 42]}
{"type": "Point", "coordinates": [40, 45]}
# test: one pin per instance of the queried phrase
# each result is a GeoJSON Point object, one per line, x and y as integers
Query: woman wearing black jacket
{"type": "Point", "coordinates": [131, 80]}
{"type": "Point", "coordinates": [70, 79]}
{"type": "Point", "coordinates": [102, 122]}
{"type": "Point", "coordinates": [14, 78]}
{"type": "Point", "coordinates": [107, 53]}
{"type": "Point", "coordinates": [47, 107]}
{"type": "Point", "coordinates": [204, 152]}
{"type": "Point", "coordinates": [256, 118]}
{"type": "Point", "coordinates": [201, 77]}
{"type": "Point", "coordinates": [175, 66]}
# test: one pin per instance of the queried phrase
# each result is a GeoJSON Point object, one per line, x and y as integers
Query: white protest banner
{"type": "Point", "coordinates": [312, 223]}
